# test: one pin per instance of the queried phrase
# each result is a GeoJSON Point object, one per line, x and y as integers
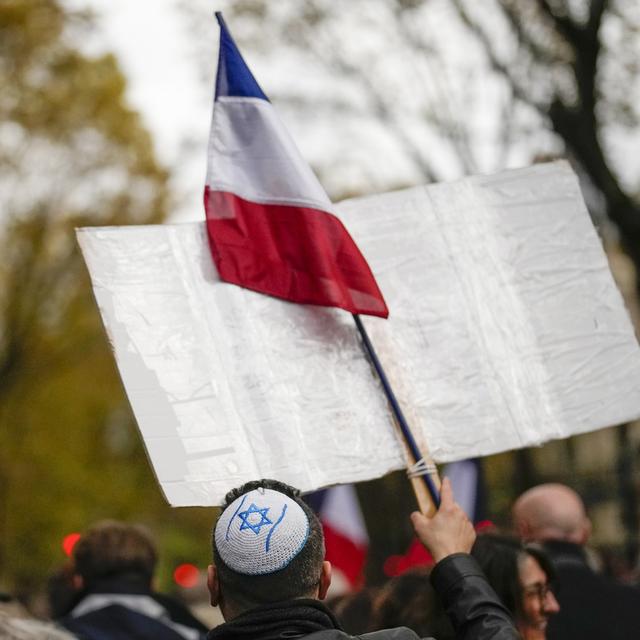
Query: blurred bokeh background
{"type": "Point", "coordinates": [379, 94]}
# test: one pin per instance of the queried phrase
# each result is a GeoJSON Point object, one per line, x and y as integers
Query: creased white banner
{"type": "Point", "coordinates": [506, 330]}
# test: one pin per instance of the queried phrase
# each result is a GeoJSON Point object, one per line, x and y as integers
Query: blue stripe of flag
{"type": "Point", "coordinates": [234, 77]}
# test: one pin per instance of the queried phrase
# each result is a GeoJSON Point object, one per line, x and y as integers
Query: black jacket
{"type": "Point", "coordinates": [124, 608]}
{"type": "Point", "coordinates": [470, 602]}
{"type": "Point", "coordinates": [592, 607]}
{"type": "Point", "coordinates": [468, 599]}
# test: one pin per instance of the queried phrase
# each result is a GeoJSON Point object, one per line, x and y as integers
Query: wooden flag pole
{"type": "Point", "coordinates": [422, 470]}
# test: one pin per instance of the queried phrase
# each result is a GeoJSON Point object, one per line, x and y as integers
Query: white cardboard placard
{"type": "Point", "coordinates": [506, 330]}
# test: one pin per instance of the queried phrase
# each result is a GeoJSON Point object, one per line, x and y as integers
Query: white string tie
{"type": "Point", "coordinates": [422, 468]}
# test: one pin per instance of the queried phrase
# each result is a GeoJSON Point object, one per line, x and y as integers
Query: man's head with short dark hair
{"type": "Point", "coordinates": [111, 549]}
{"type": "Point", "coordinates": [268, 547]}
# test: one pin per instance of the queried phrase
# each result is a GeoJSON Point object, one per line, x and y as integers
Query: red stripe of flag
{"type": "Point", "coordinates": [296, 253]}
{"type": "Point", "coordinates": [345, 555]}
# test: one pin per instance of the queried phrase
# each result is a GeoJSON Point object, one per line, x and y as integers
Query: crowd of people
{"type": "Point", "coordinates": [271, 581]}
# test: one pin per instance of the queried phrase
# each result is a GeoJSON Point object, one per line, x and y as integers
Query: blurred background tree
{"type": "Point", "coordinates": [576, 64]}
{"type": "Point", "coordinates": [72, 153]}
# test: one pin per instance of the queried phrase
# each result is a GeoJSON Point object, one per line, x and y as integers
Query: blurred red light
{"type": "Point", "coordinates": [485, 525]}
{"type": "Point", "coordinates": [186, 575]}
{"type": "Point", "coordinates": [69, 541]}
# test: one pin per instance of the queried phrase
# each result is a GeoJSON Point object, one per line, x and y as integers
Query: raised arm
{"type": "Point", "coordinates": [471, 603]}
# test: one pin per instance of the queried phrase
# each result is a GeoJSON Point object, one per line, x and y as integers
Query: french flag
{"type": "Point", "coordinates": [270, 224]}
{"type": "Point", "coordinates": [345, 533]}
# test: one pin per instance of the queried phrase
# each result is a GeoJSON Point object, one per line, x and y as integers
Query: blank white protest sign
{"type": "Point", "coordinates": [505, 330]}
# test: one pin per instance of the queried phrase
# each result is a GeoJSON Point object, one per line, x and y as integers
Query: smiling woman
{"type": "Point", "coordinates": [523, 578]}
{"type": "Point", "coordinates": [538, 601]}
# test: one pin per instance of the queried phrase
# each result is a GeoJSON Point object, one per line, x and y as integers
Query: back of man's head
{"type": "Point", "coordinates": [268, 547]}
{"type": "Point", "coordinates": [551, 512]}
{"type": "Point", "coordinates": [111, 549]}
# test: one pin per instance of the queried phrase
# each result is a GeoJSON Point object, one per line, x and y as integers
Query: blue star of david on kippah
{"type": "Point", "coordinates": [249, 523]}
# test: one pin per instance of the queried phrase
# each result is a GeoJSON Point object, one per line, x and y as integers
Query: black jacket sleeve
{"type": "Point", "coordinates": [471, 603]}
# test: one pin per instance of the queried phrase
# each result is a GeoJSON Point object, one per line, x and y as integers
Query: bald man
{"type": "Point", "coordinates": [551, 512]}
{"type": "Point", "coordinates": [590, 605]}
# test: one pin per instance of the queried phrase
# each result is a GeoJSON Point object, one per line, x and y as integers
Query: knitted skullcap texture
{"type": "Point", "coordinates": [261, 532]}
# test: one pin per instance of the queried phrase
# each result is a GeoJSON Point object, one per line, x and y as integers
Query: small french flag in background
{"type": "Point", "coordinates": [270, 224]}
{"type": "Point", "coordinates": [345, 532]}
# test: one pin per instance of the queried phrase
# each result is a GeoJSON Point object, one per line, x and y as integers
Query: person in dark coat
{"type": "Point", "coordinates": [592, 607]}
{"type": "Point", "coordinates": [269, 574]}
{"type": "Point", "coordinates": [113, 567]}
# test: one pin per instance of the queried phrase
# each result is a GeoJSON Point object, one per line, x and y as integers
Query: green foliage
{"type": "Point", "coordinates": [72, 153]}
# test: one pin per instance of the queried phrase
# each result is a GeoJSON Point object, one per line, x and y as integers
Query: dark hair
{"type": "Point", "coordinates": [298, 579]}
{"type": "Point", "coordinates": [409, 600]}
{"type": "Point", "coordinates": [62, 595]}
{"type": "Point", "coordinates": [354, 609]}
{"type": "Point", "coordinates": [499, 556]}
{"type": "Point", "coordinates": [110, 548]}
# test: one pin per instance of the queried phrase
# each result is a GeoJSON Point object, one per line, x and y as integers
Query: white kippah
{"type": "Point", "coordinates": [261, 532]}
